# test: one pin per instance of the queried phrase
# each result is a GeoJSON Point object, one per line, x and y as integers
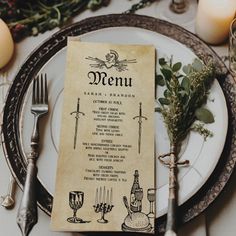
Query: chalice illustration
{"type": "Point", "coordinates": [103, 203]}
{"type": "Point", "coordinates": [151, 196]}
{"type": "Point", "coordinates": [76, 200]}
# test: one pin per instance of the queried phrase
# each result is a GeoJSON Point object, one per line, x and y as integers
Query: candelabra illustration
{"type": "Point", "coordinates": [103, 203]}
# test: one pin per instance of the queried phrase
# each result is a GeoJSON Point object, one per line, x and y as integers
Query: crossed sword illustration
{"type": "Point", "coordinates": [140, 118]}
{"type": "Point", "coordinates": [77, 116]}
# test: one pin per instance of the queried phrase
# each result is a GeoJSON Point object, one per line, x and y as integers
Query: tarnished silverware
{"type": "Point", "coordinates": [8, 201]}
{"type": "Point", "coordinates": [27, 214]}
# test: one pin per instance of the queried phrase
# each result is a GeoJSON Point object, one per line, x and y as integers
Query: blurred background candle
{"type": "Point", "coordinates": [213, 20]}
{"type": "Point", "coordinates": [6, 44]}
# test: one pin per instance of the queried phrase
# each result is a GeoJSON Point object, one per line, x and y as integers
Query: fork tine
{"type": "Point", "coordinates": [46, 90]}
{"type": "Point", "coordinates": [41, 92]}
{"type": "Point", "coordinates": [37, 90]}
{"type": "Point", "coordinates": [34, 92]}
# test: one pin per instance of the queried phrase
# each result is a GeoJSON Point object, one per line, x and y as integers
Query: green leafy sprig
{"type": "Point", "coordinates": [185, 93]}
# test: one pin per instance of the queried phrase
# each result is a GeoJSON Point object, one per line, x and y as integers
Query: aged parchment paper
{"type": "Point", "coordinates": [107, 139]}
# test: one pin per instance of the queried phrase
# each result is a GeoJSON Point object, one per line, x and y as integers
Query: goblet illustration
{"type": "Point", "coordinates": [151, 196]}
{"type": "Point", "coordinates": [103, 203]}
{"type": "Point", "coordinates": [76, 200]}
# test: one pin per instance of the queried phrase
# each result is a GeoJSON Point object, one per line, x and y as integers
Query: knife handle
{"type": "Point", "coordinates": [27, 215]}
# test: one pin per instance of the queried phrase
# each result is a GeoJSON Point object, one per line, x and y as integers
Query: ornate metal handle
{"type": "Point", "coordinates": [27, 215]}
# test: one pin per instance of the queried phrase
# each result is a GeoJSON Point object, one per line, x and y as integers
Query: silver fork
{"type": "Point", "coordinates": [27, 215]}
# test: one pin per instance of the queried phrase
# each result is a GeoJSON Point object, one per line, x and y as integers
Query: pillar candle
{"type": "Point", "coordinates": [213, 20]}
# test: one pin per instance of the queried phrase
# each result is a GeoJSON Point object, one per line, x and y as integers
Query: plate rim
{"type": "Point", "coordinates": [210, 190]}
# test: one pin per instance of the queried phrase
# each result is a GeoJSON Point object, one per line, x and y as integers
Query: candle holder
{"type": "Point", "coordinates": [179, 6]}
{"type": "Point", "coordinates": [180, 12]}
{"type": "Point", "coordinates": [103, 203]}
{"type": "Point", "coordinates": [104, 208]}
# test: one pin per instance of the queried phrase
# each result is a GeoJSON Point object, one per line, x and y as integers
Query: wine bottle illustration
{"type": "Point", "coordinates": [136, 194]}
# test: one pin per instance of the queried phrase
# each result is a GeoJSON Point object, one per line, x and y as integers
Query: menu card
{"type": "Point", "coordinates": [105, 175]}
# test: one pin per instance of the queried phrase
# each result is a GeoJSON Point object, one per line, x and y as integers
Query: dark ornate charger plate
{"type": "Point", "coordinates": [10, 128]}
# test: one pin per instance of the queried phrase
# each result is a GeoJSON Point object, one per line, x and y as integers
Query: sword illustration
{"type": "Point", "coordinates": [77, 116]}
{"type": "Point", "coordinates": [140, 117]}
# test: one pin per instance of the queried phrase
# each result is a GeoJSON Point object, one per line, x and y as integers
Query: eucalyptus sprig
{"type": "Point", "coordinates": [185, 93]}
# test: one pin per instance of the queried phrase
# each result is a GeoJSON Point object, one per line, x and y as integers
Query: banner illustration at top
{"type": "Point", "coordinates": [112, 60]}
